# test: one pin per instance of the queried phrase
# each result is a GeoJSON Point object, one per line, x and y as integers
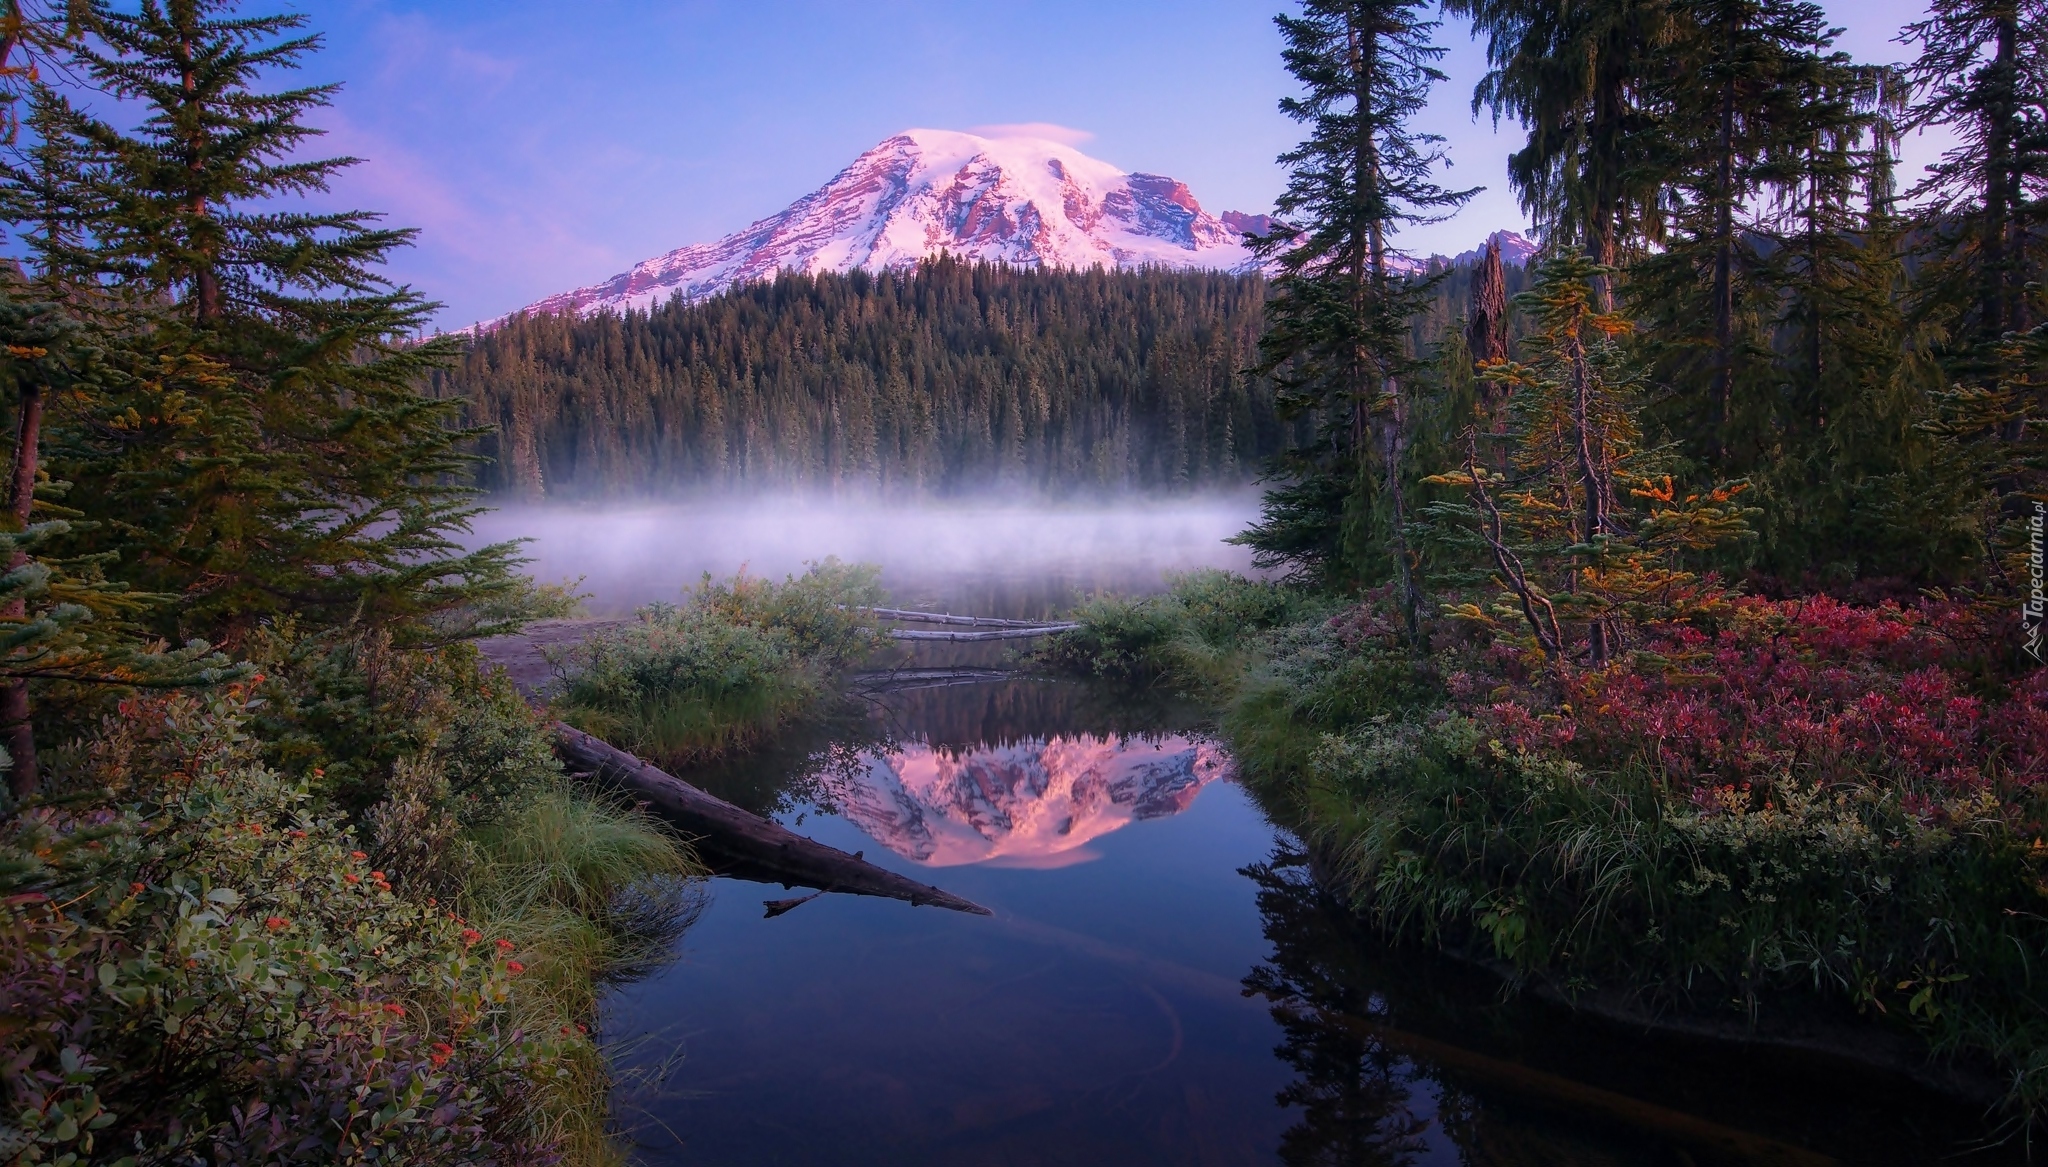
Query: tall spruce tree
{"type": "Point", "coordinates": [1855, 486]}
{"type": "Point", "coordinates": [1982, 224]}
{"type": "Point", "coordinates": [1578, 76]}
{"type": "Point", "coordinates": [1734, 109]}
{"type": "Point", "coordinates": [1982, 73]}
{"type": "Point", "coordinates": [272, 452]}
{"type": "Point", "coordinates": [1585, 532]}
{"type": "Point", "coordinates": [1337, 341]}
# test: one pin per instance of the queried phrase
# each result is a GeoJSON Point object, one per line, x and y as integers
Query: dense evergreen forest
{"type": "Point", "coordinates": [947, 378]}
{"type": "Point", "coordinates": [951, 377]}
{"type": "Point", "coordinates": [1684, 650]}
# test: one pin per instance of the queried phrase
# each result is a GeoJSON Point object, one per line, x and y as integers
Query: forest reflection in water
{"type": "Point", "coordinates": [1403, 1058]}
{"type": "Point", "coordinates": [1128, 1009]}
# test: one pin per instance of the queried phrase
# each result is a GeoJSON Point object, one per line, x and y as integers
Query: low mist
{"type": "Point", "coordinates": [987, 558]}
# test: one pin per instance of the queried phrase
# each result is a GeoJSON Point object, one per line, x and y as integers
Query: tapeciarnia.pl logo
{"type": "Point", "coordinates": [2031, 616]}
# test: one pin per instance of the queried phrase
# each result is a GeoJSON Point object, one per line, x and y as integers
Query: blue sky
{"type": "Point", "coordinates": [542, 145]}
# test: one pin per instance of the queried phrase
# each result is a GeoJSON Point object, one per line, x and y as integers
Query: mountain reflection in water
{"type": "Point", "coordinates": [1033, 803]}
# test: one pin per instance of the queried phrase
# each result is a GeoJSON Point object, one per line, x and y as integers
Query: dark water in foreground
{"type": "Point", "coordinates": [1161, 983]}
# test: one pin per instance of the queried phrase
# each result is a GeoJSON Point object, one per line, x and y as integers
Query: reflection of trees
{"type": "Point", "coordinates": [970, 717]}
{"type": "Point", "coordinates": [1356, 1093]}
{"type": "Point", "coordinates": [1374, 1031]}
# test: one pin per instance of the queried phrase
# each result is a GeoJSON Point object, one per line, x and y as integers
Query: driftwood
{"type": "Point", "coordinates": [899, 680]}
{"type": "Point", "coordinates": [993, 634]}
{"type": "Point", "coordinates": [742, 844]}
{"type": "Point", "coordinates": [949, 618]}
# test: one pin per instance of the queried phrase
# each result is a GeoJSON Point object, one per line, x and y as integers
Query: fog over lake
{"type": "Point", "coordinates": [942, 553]}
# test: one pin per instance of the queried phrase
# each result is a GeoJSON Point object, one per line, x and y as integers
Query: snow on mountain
{"type": "Point", "coordinates": [1023, 201]}
{"type": "Point", "coordinates": [1028, 202]}
{"type": "Point", "coordinates": [1515, 250]}
{"type": "Point", "coordinates": [1033, 804]}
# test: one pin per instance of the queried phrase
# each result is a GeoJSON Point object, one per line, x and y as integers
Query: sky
{"type": "Point", "coordinates": [539, 146]}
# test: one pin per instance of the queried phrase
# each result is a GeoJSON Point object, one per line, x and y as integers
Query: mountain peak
{"type": "Point", "coordinates": [1019, 200]}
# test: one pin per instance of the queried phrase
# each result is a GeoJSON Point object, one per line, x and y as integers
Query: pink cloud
{"type": "Point", "coordinates": [1065, 135]}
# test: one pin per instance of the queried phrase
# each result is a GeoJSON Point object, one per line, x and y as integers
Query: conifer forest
{"type": "Point", "coordinates": [1648, 637]}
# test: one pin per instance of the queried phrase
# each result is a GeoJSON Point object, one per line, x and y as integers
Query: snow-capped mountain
{"type": "Point", "coordinates": [1027, 202]}
{"type": "Point", "coordinates": [1515, 250]}
{"type": "Point", "coordinates": [1036, 803]}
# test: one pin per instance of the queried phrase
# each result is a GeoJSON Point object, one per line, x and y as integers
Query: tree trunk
{"type": "Point", "coordinates": [1601, 232]}
{"type": "Point", "coordinates": [1486, 338]}
{"type": "Point", "coordinates": [1591, 456]}
{"type": "Point", "coordinates": [15, 723]}
{"type": "Point", "coordinates": [740, 844]}
{"type": "Point", "coordinates": [1724, 273]}
{"type": "Point", "coordinates": [2003, 196]}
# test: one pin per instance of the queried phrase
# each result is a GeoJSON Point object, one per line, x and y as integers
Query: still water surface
{"type": "Point", "coordinates": [1161, 982]}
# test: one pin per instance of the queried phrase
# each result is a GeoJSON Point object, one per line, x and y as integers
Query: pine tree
{"type": "Point", "coordinates": [1578, 76]}
{"type": "Point", "coordinates": [1337, 338]}
{"type": "Point", "coordinates": [62, 623]}
{"type": "Point", "coordinates": [1734, 112]}
{"type": "Point", "coordinates": [1587, 535]}
{"type": "Point", "coordinates": [1982, 74]}
{"type": "Point", "coordinates": [272, 452]}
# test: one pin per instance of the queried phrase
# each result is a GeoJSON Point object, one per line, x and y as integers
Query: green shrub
{"type": "Point", "coordinates": [214, 972]}
{"type": "Point", "coordinates": [1587, 868]}
{"type": "Point", "coordinates": [1194, 637]}
{"type": "Point", "coordinates": [245, 968]}
{"type": "Point", "coordinates": [683, 685]}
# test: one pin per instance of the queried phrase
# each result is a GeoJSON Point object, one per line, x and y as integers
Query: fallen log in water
{"type": "Point", "coordinates": [897, 680]}
{"type": "Point", "coordinates": [949, 618]}
{"type": "Point", "coordinates": [993, 634]}
{"type": "Point", "coordinates": [742, 844]}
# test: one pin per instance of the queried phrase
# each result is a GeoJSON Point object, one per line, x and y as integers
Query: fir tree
{"type": "Point", "coordinates": [1578, 76]}
{"type": "Point", "coordinates": [62, 623]}
{"type": "Point", "coordinates": [271, 452]}
{"type": "Point", "coordinates": [1983, 238]}
{"type": "Point", "coordinates": [1734, 111]}
{"type": "Point", "coordinates": [1337, 338]}
{"type": "Point", "coordinates": [1587, 535]}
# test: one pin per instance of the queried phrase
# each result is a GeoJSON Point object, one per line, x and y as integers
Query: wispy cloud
{"type": "Point", "coordinates": [1066, 135]}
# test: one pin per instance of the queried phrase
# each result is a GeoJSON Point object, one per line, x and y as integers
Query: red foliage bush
{"type": "Point", "coordinates": [1813, 690]}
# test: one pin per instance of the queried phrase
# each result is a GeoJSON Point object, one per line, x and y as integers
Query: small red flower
{"type": "Point", "coordinates": [352, 877]}
{"type": "Point", "coordinates": [377, 875]}
{"type": "Point", "coordinates": [441, 1053]}
{"type": "Point", "coordinates": [514, 967]}
{"type": "Point", "coordinates": [296, 834]}
{"type": "Point", "coordinates": [136, 887]}
{"type": "Point", "coordinates": [357, 855]}
{"type": "Point", "coordinates": [504, 945]}
{"type": "Point", "coordinates": [276, 922]}
{"type": "Point", "coordinates": [395, 1009]}
{"type": "Point", "coordinates": [470, 936]}
{"type": "Point", "coordinates": [257, 679]}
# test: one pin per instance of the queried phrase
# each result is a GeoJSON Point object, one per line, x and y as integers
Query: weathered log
{"type": "Point", "coordinates": [739, 843]}
{"type": "Point", "coordinates": [993, 634]}
{"type": "Point", "coordinates": [949, 618]}
{"type": "Point", "coordinates": [898, 680]}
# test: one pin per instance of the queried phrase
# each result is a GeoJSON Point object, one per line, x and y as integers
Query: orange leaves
{"type": "Point", "coordinates": [1650, 490]}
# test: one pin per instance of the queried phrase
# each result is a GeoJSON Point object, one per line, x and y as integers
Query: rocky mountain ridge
{"type": "Point", "coordinates": [1026, 202]}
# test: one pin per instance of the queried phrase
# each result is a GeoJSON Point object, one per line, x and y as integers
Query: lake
{"type": "Point", "coordinates": [1161, 982]}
